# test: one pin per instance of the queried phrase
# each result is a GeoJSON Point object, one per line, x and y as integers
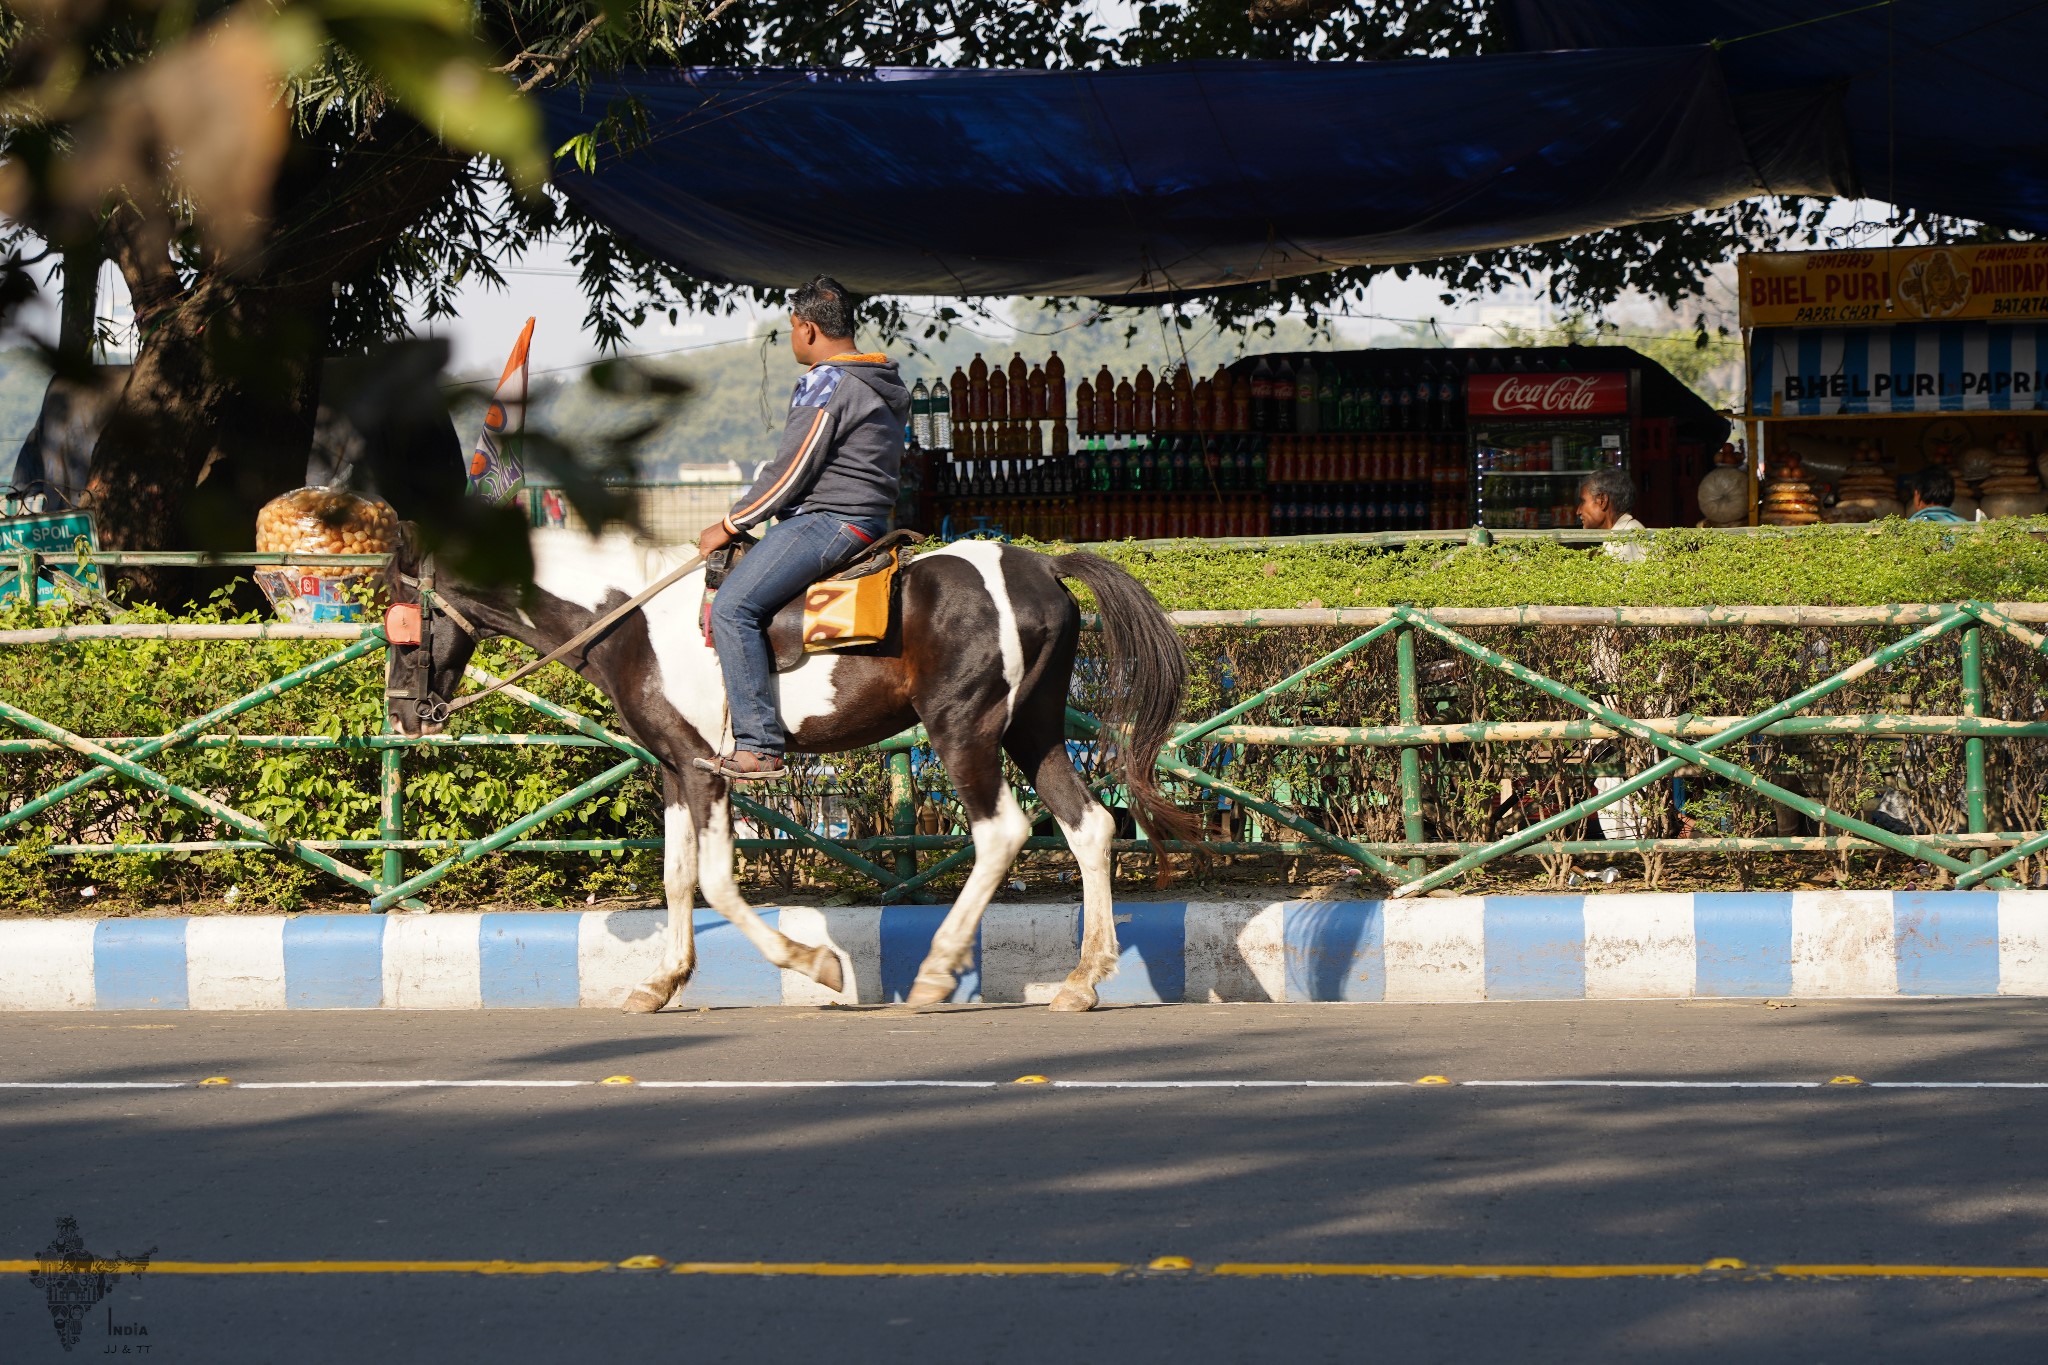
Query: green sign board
{"type": "Point", "coordinates": [69, 534]}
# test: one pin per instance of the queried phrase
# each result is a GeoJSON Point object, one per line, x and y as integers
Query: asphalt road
{"type": "Point", "coordinates": [1544, 1176]}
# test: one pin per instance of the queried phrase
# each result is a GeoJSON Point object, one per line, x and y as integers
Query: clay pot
{"type": "Point", "coordinates": [2014, 504]}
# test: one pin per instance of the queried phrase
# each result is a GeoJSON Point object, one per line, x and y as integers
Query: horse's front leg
{"type": "Point", "coordinates": [679, 885]}
{"type": "Point", "coordinates": [715, 861]}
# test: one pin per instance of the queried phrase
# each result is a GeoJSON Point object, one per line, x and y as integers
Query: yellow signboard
{"type": "Point", "coordinates": [2001, 282]}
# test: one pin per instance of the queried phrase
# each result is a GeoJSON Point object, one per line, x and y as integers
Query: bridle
{"type": "Point", "coordinates": [412, 623]}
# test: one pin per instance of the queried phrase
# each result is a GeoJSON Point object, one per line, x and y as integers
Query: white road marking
{"type": "Point", "coordinates": [516, 1084]}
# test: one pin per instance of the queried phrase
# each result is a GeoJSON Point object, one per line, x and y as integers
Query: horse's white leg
{"type": "Point", "coordinates": [1090, 841]}
{"type": "Point", "coordinates": [715, 856]}
{"type": "Point", "coordinates": [997, 838]}
{"type": "Point", "coordinates": [679, 884]}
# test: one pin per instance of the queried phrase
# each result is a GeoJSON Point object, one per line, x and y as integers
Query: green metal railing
{"type": "Point", "coordinates": [1979, 857]}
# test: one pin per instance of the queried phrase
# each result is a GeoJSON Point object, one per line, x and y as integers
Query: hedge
{"type": "Point", "coordinates": [1869, 565]}
{"type": "Point", "coordinates": [139, 688]}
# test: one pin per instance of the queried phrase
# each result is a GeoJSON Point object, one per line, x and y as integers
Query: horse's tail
{"type": "Point", "coordinates": [1148, 680]}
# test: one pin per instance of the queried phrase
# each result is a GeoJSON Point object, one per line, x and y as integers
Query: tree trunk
{"type": "Point", "coordinates": [80, 308]}
{"type": "Point", "coordinates": [218, 412]}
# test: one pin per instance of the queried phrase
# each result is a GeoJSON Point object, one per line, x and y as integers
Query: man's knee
{"type": "Point", "coordinates": [736, 611]}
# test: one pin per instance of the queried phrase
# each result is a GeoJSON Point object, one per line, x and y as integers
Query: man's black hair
{"type": "Point", "coordinates": [1935, 485]}
{"type": "Point", "coordinates": [824, 303]}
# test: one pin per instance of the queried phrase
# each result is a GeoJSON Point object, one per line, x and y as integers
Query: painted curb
{"type": "Point", "coordinates": [1804, 944]}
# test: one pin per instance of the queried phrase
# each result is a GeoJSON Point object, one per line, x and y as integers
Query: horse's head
{"type": "Point", "coordinates": [432, 639]}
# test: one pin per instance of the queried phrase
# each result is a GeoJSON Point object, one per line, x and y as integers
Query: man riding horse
{"type": "Point", "coordinates": [833, 484]}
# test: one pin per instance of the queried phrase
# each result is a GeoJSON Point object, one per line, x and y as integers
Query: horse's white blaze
{"type": "Point", "coordinates": [588, 573]}
{"type": "Point", "coordinates": [987, 558]}
{"type": "Point", "coordinates": [807, 691]}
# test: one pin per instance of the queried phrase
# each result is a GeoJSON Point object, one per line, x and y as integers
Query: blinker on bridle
{"type": "Point", "coordinates": [412, 624]}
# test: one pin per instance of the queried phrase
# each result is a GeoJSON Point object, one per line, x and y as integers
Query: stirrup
{"type": "Point", "coordinates": [717, 766]}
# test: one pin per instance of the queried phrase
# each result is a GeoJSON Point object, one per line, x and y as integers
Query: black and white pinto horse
{"type": "Point", "coordinates": [982, 652]}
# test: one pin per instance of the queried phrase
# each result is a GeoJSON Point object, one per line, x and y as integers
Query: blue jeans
{"type": "Point", "coordinates": [793, 555]}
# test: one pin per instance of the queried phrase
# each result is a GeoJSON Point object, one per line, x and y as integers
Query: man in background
{"type": "Point", "coordinates": [1931, 490]}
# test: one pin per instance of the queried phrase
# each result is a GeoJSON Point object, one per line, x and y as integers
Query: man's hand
{"type": "Point", "coordinates": [712, 537]}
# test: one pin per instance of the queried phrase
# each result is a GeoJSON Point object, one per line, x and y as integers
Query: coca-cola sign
{"type": "Point", "coordinates": [1547, 395]}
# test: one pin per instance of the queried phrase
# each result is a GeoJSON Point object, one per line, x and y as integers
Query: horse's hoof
{"type": "Point", "coordinates": [1073, 999]}
{"type": "Point", "coordinates": [930, 990]}
{"type": "Point", "coordinates": [824, 969]}
{"type": "Point", "coordinates": [644, 1001]}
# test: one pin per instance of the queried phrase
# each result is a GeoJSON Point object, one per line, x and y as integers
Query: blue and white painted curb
{"type": "Point", "coordinates": [1604, 947]}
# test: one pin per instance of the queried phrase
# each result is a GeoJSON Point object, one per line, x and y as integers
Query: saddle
{"type": "Point", "coordinates": [852, 607]}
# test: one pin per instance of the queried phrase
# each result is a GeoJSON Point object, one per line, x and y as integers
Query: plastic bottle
{"type": "Point", "coordinates": [1262, 396]}
{"type": "Point", "coordinates": [921, 416]}
{"type": "Point", "coordinates": [1055, 386]}
{"type": "Point", "coordinates": [998, 397]}
{"type": "Point", "coordinates": [1034, 388]}
{"type": "Point", "coordinates": [1329, 400]}
{"type": "Point", "coordinates": [977, 389]}
{"type": "Point", "coordinates": [1105, 401]}
{"type": "Point", "coordinates": [1142, 410]}
{"type": "Point", "coordinates": [1307, 385]}
{"type": "Point", "coordinates": [1019, 376]}
{"type": "Point", "coordinates": [1123, 407]}
{"type": "Point", "coordinates": [1241, 402]}
{"type": "Point", "coordinates": [1084, 409]}
{"type": "Point", "coordinates": [1223, 389]}
{"type": "Point", "coordinates": [942, 416]}
{"type": "Point", "coordinates": [1283, 399]}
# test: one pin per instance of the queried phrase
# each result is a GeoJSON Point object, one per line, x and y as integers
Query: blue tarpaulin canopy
{"type": "Point", "coordinates": [1145, 182]}
{"type": "Point", "coordinates": [1940, 103]}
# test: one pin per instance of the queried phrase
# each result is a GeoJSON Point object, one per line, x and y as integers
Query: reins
{"type": "Point", "coordinates": [569, 646]}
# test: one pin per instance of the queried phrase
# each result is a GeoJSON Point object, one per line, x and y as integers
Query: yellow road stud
{"type": "Point", "coordinates": [617, 1080]}
{"type": "Point", "coordinates": [1031, 1080]}
{"type": "Point", "coordinates": [1848, 1080]}
{"type": "Point", "coordinates": [1433, 1080]}
{"type": "Point", "coordinates": [1726, 1263]}
{"type": "Point", "coordinates": [216, 1080]}
{"type": "Point", "coordinates": [1170, 1263]}
{"type": "Point", "coordinates": [643, 1263]}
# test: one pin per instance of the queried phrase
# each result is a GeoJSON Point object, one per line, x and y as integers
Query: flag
{"type": "Point", "coordinates": [494, 470]}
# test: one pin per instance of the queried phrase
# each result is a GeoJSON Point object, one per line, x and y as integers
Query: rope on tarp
{"type": "Point", "coordinates": [1718, 43]}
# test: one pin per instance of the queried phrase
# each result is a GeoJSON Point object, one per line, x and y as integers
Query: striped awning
{"type": "Point", "coordinates": [1929, 367]}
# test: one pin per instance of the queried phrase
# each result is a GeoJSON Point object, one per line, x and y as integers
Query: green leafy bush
{"type": "Point", "coordinates": [140, 688]}
{"type": "Point", "coordinates": [1888, 561]}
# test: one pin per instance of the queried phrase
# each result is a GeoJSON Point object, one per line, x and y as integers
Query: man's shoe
{"type": "Point", "coordinates": [747, 766]}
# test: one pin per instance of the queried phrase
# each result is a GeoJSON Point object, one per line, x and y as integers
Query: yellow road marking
{"type": "Point", "coordinates": [832, 1269]}
{"type": "Point", "coordinates": [956, 1269]}
{"type": "Point", "coordinates": [1261, 1269]}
